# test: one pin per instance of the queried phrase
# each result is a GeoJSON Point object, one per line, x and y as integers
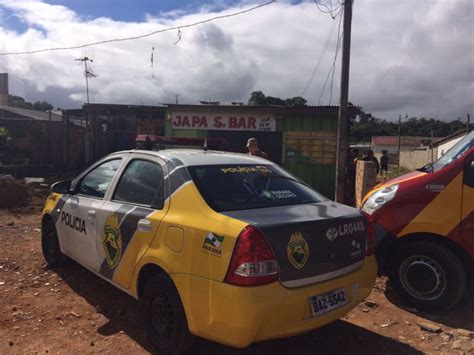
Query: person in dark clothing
{"type": "Point", "coordinates": [370, 157]}
{"type": "Point", "coordinates": [384, 164]}
{"type": "Point", "coordinates": [351, 175]}
{"type": "Point", "coordinates": [148, 143]}
{"type": "Point", "coordinates": [252, 146]}
{"type": "Point", "coordinates": [352, 163]}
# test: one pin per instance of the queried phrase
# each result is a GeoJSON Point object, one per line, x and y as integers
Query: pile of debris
{"type": "Point", "coordinates": [17, 193]}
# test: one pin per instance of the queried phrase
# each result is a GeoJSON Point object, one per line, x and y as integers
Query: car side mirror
{"type": "Point", "coordinates": [62, 187]}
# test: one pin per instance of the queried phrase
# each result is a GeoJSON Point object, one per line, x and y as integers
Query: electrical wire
{"type": "Point", "coordinates": [325, 9]}
{"type": "Point", "coordinates": [326, 45]}
{"type": "Point", "coordinates": [333, 66]}
{"type": "Point", "coordinates": [339, 36]}
{"type": "Point", "coordinates": [141, 36]}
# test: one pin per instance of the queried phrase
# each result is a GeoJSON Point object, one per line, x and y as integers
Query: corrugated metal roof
{"type": "Point", "coordinates": [460, 133]}
{"type": "Point", "coordinates": [353, 110]}
{"type": "Point", "coordinates": [123, 106]}
{"type": "Point", "coordinates": [404, 141]}
{"type": "Point", "coordinates": [29, 114]}
{"type": "Point", "coordinates": [256, 106]}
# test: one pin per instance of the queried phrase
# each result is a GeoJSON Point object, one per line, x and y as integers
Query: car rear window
{"type": "Point", "coordinates": [242, 187]}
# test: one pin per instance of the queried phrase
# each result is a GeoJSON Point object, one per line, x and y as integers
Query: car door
{"type": "Point", "coordinates": [467, 227]}
{"type": "Point", "coordinates": [77, 223]}
{"type": "Point", "coordinates": [130, 218]}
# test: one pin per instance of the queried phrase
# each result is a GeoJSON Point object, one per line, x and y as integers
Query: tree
{"type": "Point", "coordinates": [42, 106]}
{"type": "Point", "coordinates": [258, 98]}
{"type": "Point", "coordinates": [20, 102]}
{"type": "Point", "coordinates": [367, 126]}
{"type": "Point", "coordinates": [296, 101]}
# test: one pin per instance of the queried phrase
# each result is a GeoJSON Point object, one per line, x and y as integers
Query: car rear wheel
{"type": "Point", "coordinates": [164, 316]}
{"type": "Point", "coordinates": [429, 275]}
{"type": "Point", "coordinates": [50, 246]}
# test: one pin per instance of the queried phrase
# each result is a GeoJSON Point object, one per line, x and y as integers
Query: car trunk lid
{"type": "Point", "coordinates": [312, 242]}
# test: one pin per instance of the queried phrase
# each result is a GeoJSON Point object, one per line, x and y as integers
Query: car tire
{"type": "Point", "coordinates": [428, 275]}
{"type": "Point", "coordinates": [164, 316]}
{"type": "Point", "coordinates": [50, 246]}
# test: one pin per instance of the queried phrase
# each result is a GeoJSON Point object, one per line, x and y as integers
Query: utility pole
{"type": "Point", "coordinates": [468, 125]}
{"type": "Point", "coordinates": [90, 123]}
{"type": "Point", "coordinates": [431, 147]}
{"type": "Point", "coordinates": [87, 73]}
{"type": "Point", "coordinates": [343, 119]}
{"type": "Point", "coordinates": [399, 137]}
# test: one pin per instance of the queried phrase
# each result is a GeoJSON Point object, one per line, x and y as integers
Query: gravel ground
{"type": "Point", "coordinates": [71, 311]}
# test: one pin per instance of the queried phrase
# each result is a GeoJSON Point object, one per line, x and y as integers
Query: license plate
{"type": "Point", "coordinates": [328, 301]}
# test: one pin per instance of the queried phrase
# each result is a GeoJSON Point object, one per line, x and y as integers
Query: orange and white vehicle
{"type": "Point", "coordinates": [424, 225]}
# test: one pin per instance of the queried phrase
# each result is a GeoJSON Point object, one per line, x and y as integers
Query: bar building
{"type": "Point", "coordinates": [302, 139]}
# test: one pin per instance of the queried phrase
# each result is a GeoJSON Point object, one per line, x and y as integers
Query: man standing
{"type": "Point", "coordinates": [252, 147]}
{"type": "Point", "coordinates": [384, 164]}
{"type": "Point", "coordinates": [351, 175]}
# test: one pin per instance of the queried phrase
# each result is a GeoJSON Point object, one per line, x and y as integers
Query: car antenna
{"type": "Point", "coordinates": [205, 145]}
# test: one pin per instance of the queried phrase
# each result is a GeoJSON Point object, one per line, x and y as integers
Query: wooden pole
{"type": "Point", "coordinates": [343, 124]}
{"type": "Point", "coordinates": [399, 137]}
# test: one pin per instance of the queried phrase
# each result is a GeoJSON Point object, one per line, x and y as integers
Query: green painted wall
{"type": "Point", "coordinates": [322, 177]}
{"type": "Point", "coordinates": [190, 133]}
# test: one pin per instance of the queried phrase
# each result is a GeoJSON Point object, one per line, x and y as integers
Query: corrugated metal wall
{"type": "Point", "coordinates": [308, 147]}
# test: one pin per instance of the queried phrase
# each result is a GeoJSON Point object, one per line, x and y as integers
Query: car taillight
{"type": "Point", "coordinates": [370, 244]}
{"type": "Point", "coordinates": [253, 262]}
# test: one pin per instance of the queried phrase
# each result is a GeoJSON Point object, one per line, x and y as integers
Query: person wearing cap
{"type": "Point", "coordinates": [252, 146]}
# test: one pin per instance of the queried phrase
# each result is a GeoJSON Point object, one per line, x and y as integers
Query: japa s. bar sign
{"type": "Point", "coordinates": [228, 122]}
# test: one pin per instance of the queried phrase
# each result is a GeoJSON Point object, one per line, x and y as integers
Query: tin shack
{"type": "Point", "coordinates": [302, 139]}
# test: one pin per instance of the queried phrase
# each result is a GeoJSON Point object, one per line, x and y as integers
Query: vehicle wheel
{"type": "Point", "coordinates": [50, 246]}
{"type": "Point", "coordinates": [428, 275]}
{"type": "Point", "coordinates": [164, 316]}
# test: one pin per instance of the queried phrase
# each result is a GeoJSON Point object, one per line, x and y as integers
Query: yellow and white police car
{"type": "Point", "coordinates": [223, 246]}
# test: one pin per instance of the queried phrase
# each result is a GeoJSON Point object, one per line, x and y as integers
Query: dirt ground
{"type": "Point", "coordinates": [71, 311]}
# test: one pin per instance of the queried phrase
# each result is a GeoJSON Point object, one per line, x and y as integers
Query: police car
{"type": "Point", "coordinates": [228, 247]}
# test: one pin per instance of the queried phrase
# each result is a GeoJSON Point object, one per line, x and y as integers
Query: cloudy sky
{"type": "Point", "coordinates": [414, 57]}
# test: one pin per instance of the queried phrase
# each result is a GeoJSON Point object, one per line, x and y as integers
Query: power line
{"type": "Point", "coordinates": [333, 66]}
{"type": "Point", "coordinates": [328, 9]}
{"type": "Point", "coordinates": [326, 45]}
{"type": "Point", "coordinates": [339, 35]}
{"type": "Point", "coordinates": [141, 36]}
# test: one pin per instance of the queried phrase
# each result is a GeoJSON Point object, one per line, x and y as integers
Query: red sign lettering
{"type": "Point", "coordinates": [223, 122]}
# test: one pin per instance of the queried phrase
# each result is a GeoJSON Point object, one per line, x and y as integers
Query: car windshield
{"type": "Point", "coordinates": [455, 152]}
{"type": "Point", "coordinates": [241, 187]}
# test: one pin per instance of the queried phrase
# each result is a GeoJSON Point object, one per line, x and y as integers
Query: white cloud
{"type": "Point", "coordinates": [407, 56]}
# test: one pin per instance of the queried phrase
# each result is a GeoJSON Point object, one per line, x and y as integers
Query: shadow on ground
{"type": "Point", "coordinates": [122, 313]}
{"type": "Point", "coordinates": [460, 316]}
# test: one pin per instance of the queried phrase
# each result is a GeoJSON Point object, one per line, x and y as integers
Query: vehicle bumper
{"type": "Point", "coordinates": [239, 316]}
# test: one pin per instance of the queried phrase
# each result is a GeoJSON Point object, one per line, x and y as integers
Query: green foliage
{"type": "Point", "coordinates": [42, 106]}
{"type": "Point", "coordinates": [3, 136]}
{"type": "Point", "coordinates": [367, 126]}
{"type": "Point", "coordinates": [395, 171]}
{"type": "Point", "coordinates": [18, 101]}
{"type": "Point", "coordinates": [258, 98]}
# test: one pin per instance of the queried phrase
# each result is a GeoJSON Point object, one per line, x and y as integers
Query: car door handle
{"type": "Point", "coordinates": [144, 225]}
{"type": "Point", "coordinates": [91, 214]}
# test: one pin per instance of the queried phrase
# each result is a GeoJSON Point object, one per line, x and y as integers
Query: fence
{"type": "Point", "coordinates": [414, 159]}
